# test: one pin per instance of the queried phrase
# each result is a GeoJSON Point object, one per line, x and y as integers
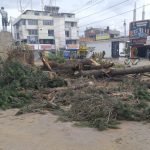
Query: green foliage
{"type": "Point", "coordinates": [16, 77]}
{"type": "Point", "coordinates": [97, 108]}
{"type": "Point", "coordinates": [12, 98]}
{"type": "Point", "coordinates": [141, 93]}
{"type": "Point", "coordinates": [56, 82]}
{"type": "Point", "coordinates": [90, 107]}
{"type": "Point", "coordinates": [56, 57]}
{"type": "Point", "coordinates": [127, 51]}
{"type": "Point", "coordinates": [19, 75]}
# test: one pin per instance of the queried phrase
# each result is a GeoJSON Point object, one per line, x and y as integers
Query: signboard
{"type": "Point", "coordinates": [41, 46]}
{"type": "Point", "coordinates": [138, 41]}
{"type": "Point", "coordinates": [46, 46]}
{"type": "Point", "coordinates": [72, 46]}
{"type": "Point", "coordinates": [148, 40]}
{"type": "Point", "coordinates": [139, 29]}
{"type": "Point", "coordinates": [102, 37]}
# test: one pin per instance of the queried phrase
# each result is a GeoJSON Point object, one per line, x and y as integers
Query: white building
{"type": "Point", "coordinates": [47, 30]}
{"type": "Point", "coordinates": [112, 47]}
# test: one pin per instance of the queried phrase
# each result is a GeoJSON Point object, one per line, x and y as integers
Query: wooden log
{"type": "Point", "coordinates": [75, 87]}
{"type": "Point", "coordinates": [77, 65]}
{"type": "Point", "coordinates": [116, 72]}
{"type": "Point", "coordinates": [95, 73]}
{"type": "Point", "coordinates": [71, 66]}
{"type": "Point", "coordinates": [132, 70]}
{"type": "Point", "coordinates": [45, 62]}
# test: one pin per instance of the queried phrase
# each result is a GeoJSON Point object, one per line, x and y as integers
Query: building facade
{"type": "Point", "coordinates": [112, 47]}
{"type": "Point", "coordinates": [139, 34]}
{"type": "Point", "coordinates": [47, 30]}
{"type": "Point", "coordinates": [101, 34]}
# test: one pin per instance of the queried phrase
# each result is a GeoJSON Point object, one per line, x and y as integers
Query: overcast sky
{"type": "Point", "coordinates": [82, 8]}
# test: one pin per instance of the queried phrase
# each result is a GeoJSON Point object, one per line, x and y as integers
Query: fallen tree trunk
{"type": "Point", "coordinates": [78, 65]}
{"type": "Point", "coordinates": [71, 66]}
{"type": "Point", "coordinates": [75, 87]}
{"type": "Point", "coordinates": [116, 72]}
{"type": "Point", "coordinates": [132, 70]}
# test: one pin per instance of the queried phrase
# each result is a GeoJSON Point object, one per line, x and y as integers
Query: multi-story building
{"type": "Point", "coordinates": [48, 29]}
{"type": "Point", "coordinates": [101, 34]}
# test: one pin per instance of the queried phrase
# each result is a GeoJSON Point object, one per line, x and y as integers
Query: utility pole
{"type": "Point", "coordinates": [143, 13]}
{"type": "Point", "coordinates": [11, 25]}
{"type": "Point", "coordinates": [20, 3]}
{"type": "Point", "coordinates": [125, 29]}
{"type": "Point", "coordinates": [134, 12]}
{"type": "Point", "coordinates": [31, 5]}
{"type": "Point", "coordinates": [42, 4]}
{"type": "Point", "coordinates": [50, 2]}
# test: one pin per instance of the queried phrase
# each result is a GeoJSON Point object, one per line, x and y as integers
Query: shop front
{"type": "Point", "coordinates": [139, 38]}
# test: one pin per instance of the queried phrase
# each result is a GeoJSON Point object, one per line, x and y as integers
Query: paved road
{"type": "Point", "coordinates": [42, 132]}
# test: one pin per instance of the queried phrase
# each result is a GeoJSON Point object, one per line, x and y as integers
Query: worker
{"type": "Point", "coordinates": [103, 54]}
{"type": "Point", "coordinates": [4, 18]}
{"type": "Point", "coordinates": [93, 56]}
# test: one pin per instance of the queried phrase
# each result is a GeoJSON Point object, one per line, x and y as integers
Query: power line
{"type": "Point", "coordinates": [100, 11]}
{"type": "Point", "coordinates": [105, 9]}
{"type": "Point", "coordinates": [27, 4]}
{"type": "Point", "coordinates": [86, 4]}
{"type": "Point", "coordinates": [90, 6]}
{"type": "Point", "coordinates": [113, 16]}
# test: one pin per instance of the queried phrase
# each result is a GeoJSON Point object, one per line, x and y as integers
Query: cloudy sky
{"type": "Point", "coordinates": [91, 13]}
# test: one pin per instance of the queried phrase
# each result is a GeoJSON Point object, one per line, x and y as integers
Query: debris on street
{"type": "Point", "coordinates": [97, 95]}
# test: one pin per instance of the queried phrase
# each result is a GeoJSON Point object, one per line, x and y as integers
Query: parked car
{"type": "Point", "coordinates": [122, 54]}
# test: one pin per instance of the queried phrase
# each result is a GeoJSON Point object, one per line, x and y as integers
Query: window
{"type": "Point", "coordinates": [32, 39]}
{"type": "Point", "coordinates": [45, 13]}
{"type": "Point", "coordinates": [36, 13]}
{"type": "Point", "coordinates": [47, 41]}
{"type": "Point", "coordinates": [67, 33]}
{"type": "Point", "coordinates": [32, 22]}
{"type": "Point", "coordinates": [22, 22]}
{"type": "Point", "coordinates": [69, 16]}
{"type": "Point", "coordinates": [71, 41]}
{"type": "Point", "coordinates": [70, 24]}
{"type": "Point", "coordinates": [67, 24]}
{"type": "Point", "coordinates": [18, 36]}
{"type": "Point", "coordinates": [33, 32]}
{"type": "Point", "coordinates": [73, 24]}
{"type": "Point", "coordinates": [50, 32]}
{"type": "Point", "coordinates": [48, 22]}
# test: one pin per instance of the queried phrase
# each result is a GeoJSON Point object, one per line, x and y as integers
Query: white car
{"type": "Point", "coordinates": [122, 54]}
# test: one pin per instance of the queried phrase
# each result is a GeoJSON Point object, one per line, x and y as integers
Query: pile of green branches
{"type": "Point", "coordinates": [96, 107]}
{"type": "Point", "coordinates": [17, 78]}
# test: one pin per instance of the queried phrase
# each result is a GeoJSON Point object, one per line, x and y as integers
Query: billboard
{"type": "Point", "coordinates": [102, 37]}
{"type": "Point", "coordinates": [138, 32]}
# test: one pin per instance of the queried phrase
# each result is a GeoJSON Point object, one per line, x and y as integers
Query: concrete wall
{"type": "Point", "coordinates": [101, 46]}
{"type": "Point", "coordinates": [6, 41]}
{"type": "Point", "coordinates": [59, 31]}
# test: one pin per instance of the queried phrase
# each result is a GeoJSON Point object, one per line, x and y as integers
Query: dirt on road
{"type": "Point", "coordinates": [44, 132]}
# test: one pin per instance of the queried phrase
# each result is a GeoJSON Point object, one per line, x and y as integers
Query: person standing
{"type": "Point", "coordinates": [4, 18]}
